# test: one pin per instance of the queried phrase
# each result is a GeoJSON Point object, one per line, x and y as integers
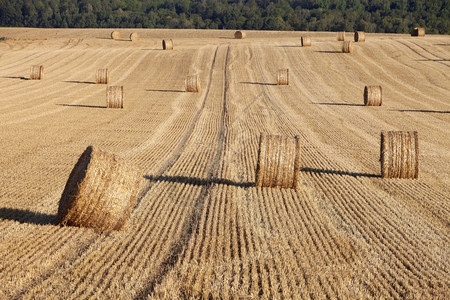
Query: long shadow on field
{"type": "Point", "coordinates": [339, 104]}
{"type": "Point", "coordinates": [353, 174]}
{"type": "Point", "coordinates": [424, 111]}
{"type": "Point", "coordinates": [166, 91]}
{"type": "Point", "coordinates": [198, 181]}
{"type": "Point", "coordinates": [289, 46]}
{"type": "Point", "coordinates": [17, 77]}
{"type": "Point", "coordinates": [26, 216]}
{"type": "Point", "coordinates": [328, 51]}
{"type": "Point", "coordinates": [429, 59]}
{"type": "Point", "coordinates": [76, 81]}
{"type": "Point", "coordinates": [82, 105]}
{"type": "Point", "coordinates": [258, 83]}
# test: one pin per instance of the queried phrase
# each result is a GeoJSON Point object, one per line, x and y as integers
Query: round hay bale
{"type": "Point", "coordinates": [306, 41]}
{"type": "Point", "coordinates": [278, 161]}
{"type": "Point", "coordinates": [360, 36]}
{"type": "Point", "coordinates": [340, 36]}
{"type": "Point", "coordinates": [37, 72]}
{"type": "Point", "coordinates": [399, 154]}
{"type": "Point", "coordinates": [134, 37]}
{"type": "Point", "coordinates": [114, 96]}
{"type": "Point", "coordinates": [373, 95]}
{"type": "Point", "coordinates": [102, 76]}
{"type": "Point", "coordinates": [239, 34]}
{"type": "Point", "coordinates": [347, 47]}
{"type": "Point", "coordinates": [418, 31]}
{"type": "Point", "coordinates": [283, 77]}
{"type": "Point", "coordinates": [115, 35]}
{"type": "Point", "coordinates": [100, 192]}
{"type": "Point", "coordinates": [167, 44]}
{"type": "Point", "coordinates": [192, 83]}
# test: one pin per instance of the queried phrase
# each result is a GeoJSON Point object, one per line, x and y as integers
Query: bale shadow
{"type": "Point", "coordinates": [442, 44]}
{"type": "Point", "coordinates": [429, 59]}
{"type": "Point", "coordinates": [257, 83]}
{"type": "Point", "coordinates": [166, 91]}
{"type": "Point", "coordinates": [289, 46]}
{"type": "Point", "coordinates": [76, 81]}
{"type": "Point", "coordinates": [27, 216]}
{"type": "Point", "coordinates": [198, 181]}
{"type": "Point", "coordinates": [336, 172]}
{"type": "Point", "coordinates": [334, 51]}
{"type": "Point", "coordinates": [338, 104]}
{"type": "Point", "coordinates": [81, 105]}
{"type": "Point", "coordinates": [17, 77]}
{"type": "Point", "coordinates": [424, 111]}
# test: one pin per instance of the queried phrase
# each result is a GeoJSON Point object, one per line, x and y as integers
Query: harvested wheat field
{"type": "Point", "coordinates": [200, 228]}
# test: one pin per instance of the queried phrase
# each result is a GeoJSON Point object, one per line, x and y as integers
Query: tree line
{"type": "Point", "coordinates": [396, 16]}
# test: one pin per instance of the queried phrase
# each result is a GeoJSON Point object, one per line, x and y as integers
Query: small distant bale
{"type": "Point", "coordinates": [100, 192]}
{"type": "Point", "coordinates": [340, 36]}
{"type": "Point", "coordinates": [418, 31]}
{"type": "Point", "coordinates": [115, 35]}
{"type": "Point", "coordinates": [114, 96]}
{"type": "Point", "coordinates": [306, 41]}
{"type": "Point", "coordinates": [360, 36]}
{"type": "Point", "coordinates": [167, 44]}
{"type": "Point", "coordinates": [347, 47]}
{"type": "Point", "coordinates": [134, 37]}
{"type": "Point", "coordinates": [239, 34]}
{"type": "Point", "coordinates": [37, 72]}
{"type": "Point", "coordinates": [283, 77]}
{"type": "Point", "coordinates": [192, 83]}
{"type": "Point", "coordinates": [373, 95]}
{"type": "Point", "coordinates": [102, 76]}
{"type": "Point", "coordinates": [399, 154]}
{"type": "Point", "coordinates": [278, 161]}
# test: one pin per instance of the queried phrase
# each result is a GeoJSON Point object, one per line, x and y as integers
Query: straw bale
{"type": "Point", "coordinates": [278, 161]}
{"type": "Point", "coordinates": [115, 35]}
{"type": "Point", "coordinates": [347, 47]}
{"type": "Point", "coordinates": [239, 34]}
{"type": "Point", "coordinates": [283, 77]}
{"type": "Point", "coordinates": [192, 83]}
{"type": "Point", "coordinates": [340, 36]}
{"type": "Point", "coordinates": [134, 37]}
{"type": "Point", "coordinates": [360, 36]}
{"type": "Point", "coordinates": [167, 44]}
{"type": "Point", "coordinates": [399, 154]}
{"type": "Point", "coordinates": [306, 41]}
{"type": "Point", "coordinates": [418, 31]}
{"type": "Point", "coordinates": [373, 95]}
{"type": "Point", "coordinates": [100, 192]}
{"type": "Point", "coordinates": [37, 72]}
{"type": "Point", "coordinates": [114, 96]}
{"type": "Point", "coordinates": [102, 76]}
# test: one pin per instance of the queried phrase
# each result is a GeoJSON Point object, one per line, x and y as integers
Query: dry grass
{"type": "Point", "coordinates": [100, 192]}
{"type": "Point", "coordinates": [360, 36]}
{"type": "Point", "coordinates": [240, 34]}
{"type": "Point", "coordinates": [283, 77]}
{"type": "Point", "coordinates": [278, 161]}
{"type": "Point", "coordinates": [192, 84]}
{"type": "Point", "coordinates": [102, 76]}
{"type": "Point", "coordinates": [167, 44]}
{"type": "Point", "coordinates": [114, 96]}
{"type": "Point", "coordinates": [373, 95]}
{"type": "Point", "coordinates": [399, 154]}
{"type": "Point", "coordinates": [306, 41]}
{"type": "Point", "coordinates": [347, 47]}
{"type": "Point", "coordinates": [37, 72]}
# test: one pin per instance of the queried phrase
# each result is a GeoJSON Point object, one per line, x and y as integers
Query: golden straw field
{"type": "Point", "coordinates": [200, 227]}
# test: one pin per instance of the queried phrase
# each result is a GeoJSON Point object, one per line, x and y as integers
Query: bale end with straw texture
{"type": "Point", "coordinates": [347, 47]}
{"type": "Point", "coordinates": [340, 36]}
{"type": "Point", "coordinates": [192, 83]}
{"type": "Point", "coordinates": [360, 36]}
{"type": "Point", "coordinates": [283, 77]}
{"type": "Point", "coordinates": [102, 76]}
{"type": "Point", "coordinates": [373, 95]}
{"type": "Point", "coordinates": [100, 192]}
{"type": "Point", "coordinates": [37, 72]}
{"type": "Point", "coordinates": [306, 41]}
{"type": "Point", "coordinates": [418, 31]}
{"type": "Point", "coordinates": [167, 44]}
{"type": "Point", "coordinates": [399, 154]}
{"type": "Point", "coordinates": [134, 37]}
{"type": "Point", "coordinates": [115, 35]}
{"type": "Point", "coordinates": [114, 96]}
{"type": "Point", "coordinates": [278, 161]}
{"type": "Point", "coordinates": [239, 35]}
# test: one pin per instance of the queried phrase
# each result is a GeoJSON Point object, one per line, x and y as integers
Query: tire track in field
{"type": "Point", "coordinates": [191, 222]}
{"type": "Point", "coordinates": [423, 56]}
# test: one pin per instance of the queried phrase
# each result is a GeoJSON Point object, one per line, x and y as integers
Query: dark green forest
{"type": "Point", "coordinates": [397, 16]}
